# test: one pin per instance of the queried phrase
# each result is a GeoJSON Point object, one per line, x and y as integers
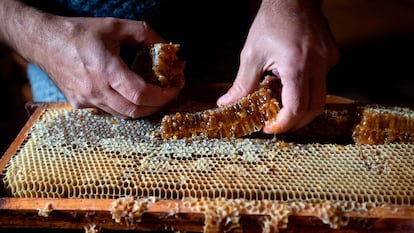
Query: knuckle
{"type": "Point", "coordinates": [143, 28]}
{"type": "Point", "coordinates": [246, 55]}
{"type": "Point", "coordinates": [76, 104]}
{"type": "Point", "coordinates": [238, 87]}
{"type": "Point", "coordinates": [137, 97]}
{"type": "Point", "coordinates": [79, 103]}
{"type": "Point", "coordinates": [113, 22]}
{"type": "Point", "coordinates": [133, 112]}
{"type": "Point", "coordinates": [89, 91]}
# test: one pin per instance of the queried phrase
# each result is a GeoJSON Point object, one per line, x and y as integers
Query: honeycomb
{"type": "Point", "coordinates": [223, 215]}
{"type": "Point", "coordinates": [242, 118]}
{"type": "Point", "coordinates": [160, 64]}
{"type": "Point", "coordinates": [70, 153]}
{"type": "Point", "coordinates": [130, 210]}
{"type": "Point", "coordinates": [382, 124]}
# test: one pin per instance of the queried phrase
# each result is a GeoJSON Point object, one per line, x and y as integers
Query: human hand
{"type": "Point", "coordinates": [82, 56]}
{"type": "Point", "coordinates": [291, 40]}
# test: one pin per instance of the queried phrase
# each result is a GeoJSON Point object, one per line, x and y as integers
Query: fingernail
{"type": "Point", "coordinates": [270, 127]}
{"type": "Point", "coordinates": [223, 99]}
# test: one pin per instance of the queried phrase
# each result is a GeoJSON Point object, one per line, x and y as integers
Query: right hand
{"type": "Point", "coordinates": [292, 41]}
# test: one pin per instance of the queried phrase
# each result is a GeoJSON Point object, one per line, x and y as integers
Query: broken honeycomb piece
{"type": "Point", "coordinates": [91, 228]}
{"type": "Point", "coordinates": [130, 209]}
{"type": "Point", "coordinates": [242, 118]}
{"type": "Point", "coordinates": [45, 211]}
{"type": "Point", "coordinates": [223, 215]}
{"type": "Point", "coordinates": [160, 65]}
{"type": "Point", "coordinates": [383, 125]}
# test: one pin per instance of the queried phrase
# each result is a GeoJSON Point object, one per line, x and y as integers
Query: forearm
{"type": "Point", "coordinates": [24, 29]}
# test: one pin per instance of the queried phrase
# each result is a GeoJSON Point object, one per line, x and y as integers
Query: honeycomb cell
{"type": "Point", "coordinates": [381, 124]}
{"type": "Point", "coordinates": [58, 159]}
{"type": "Point", "coordinates": [242, 118]}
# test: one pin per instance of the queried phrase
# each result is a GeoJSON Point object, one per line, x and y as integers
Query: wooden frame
{"type": "Point", "coordinates": [81, 213]}
{"type": "Point", "coordinates": [84, 213]}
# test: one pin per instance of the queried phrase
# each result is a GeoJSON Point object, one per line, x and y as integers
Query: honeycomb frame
{"type": "Point", "coordinates": [135, 153]}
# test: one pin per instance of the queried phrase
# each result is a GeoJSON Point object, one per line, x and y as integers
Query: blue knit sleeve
{"type": "Point", "coordinates": [43, 88]}
{"type": "Point", "coordinates": [127, 9]}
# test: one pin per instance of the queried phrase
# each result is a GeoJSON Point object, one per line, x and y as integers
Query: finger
{"type": "Point", "coordinates": [295, 94]}
{"type": "Point", "coordinates": [152, 95]}
{"type": "Point", "coordinates": [109, 102]}
{"type": "Point", "coordinates": [316, 96]}
{"type": "Point", "coordinates": [115, 104]}
{"type": "Point", "coordinates": [134, 88]}
{"type": "Point", "coordinates": [313, 102]}
{"type": "Point", "coordinates": [317, 99]}
{"type": "Point", "coordinates": [246, 82]}
{"type": "Point", "coordinates": [139, 32]}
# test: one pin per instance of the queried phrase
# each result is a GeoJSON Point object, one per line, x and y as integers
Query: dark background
{"type": "Point", "coordinates": [376, 39]}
